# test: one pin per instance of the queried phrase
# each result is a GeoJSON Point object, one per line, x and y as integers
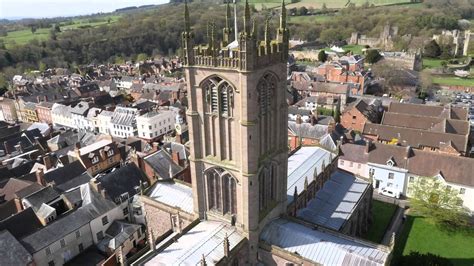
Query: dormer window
{"type": "Point", "coordinates": [110, 153]}
{"type": "Point", "coordinates": [391, 162]}
{"type": "Point", "coordinates": [95, 159]}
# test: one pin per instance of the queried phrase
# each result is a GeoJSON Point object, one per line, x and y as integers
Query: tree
{"type": "Point", "coordinates": [57, 28]}
{"type": "Point", "coordinates": [33, 29]}
{"type": "Point", "coordinates": [373, 56]}
{"type": "Point", "coordinates": [324, 8]}
{"type": "Point", "coordinates": [433, 198]}
{"type": "Point", "coordinates": [322, 56]}
{"type": "Point", "coordinates": [142, 57]}
{"type": "Point", "coordinates": [303, 11]}
{"type": "Point", "coordinates": [432, 49]}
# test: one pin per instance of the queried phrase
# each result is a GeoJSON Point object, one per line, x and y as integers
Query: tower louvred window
{"type": "Point", "coordinates": [219, 96]}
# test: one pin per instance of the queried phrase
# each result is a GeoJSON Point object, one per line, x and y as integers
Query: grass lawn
{"type": "Point", "coordinates": [423, 235]}
{"type": "Point", "coordinates": [453, 81]}
{"type": "Point", "coordinates": [382, 215]}
{"type": "Point", "coordinates": [431, 62]}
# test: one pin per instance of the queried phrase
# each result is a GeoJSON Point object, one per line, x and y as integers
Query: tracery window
{"type": "Point", "coordinates": [219, 96]}
{"type": "Point", "coordinates": [221, 191]}
{"type": "Point", "coordinates": [266, 92]}
{"type": "Point", "coordinates": [267, 185]}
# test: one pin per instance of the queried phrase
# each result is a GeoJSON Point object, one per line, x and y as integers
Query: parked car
{"type": "Point", "coordinates": [390, 192]}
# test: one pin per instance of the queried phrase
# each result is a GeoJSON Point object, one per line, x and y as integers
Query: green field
{"type": "Point", "coordinates": [422, 235]}
{"type": "Point", "coordinates": [382, 216]}
{"type": "Point", "coordinates": [355, 49]}
{"type": "Point", "coordinates": [309, 19]}
{"type": "Point", "coordinates": [453, 81]}
{"type": "Point", "coordinates": [21, 37]}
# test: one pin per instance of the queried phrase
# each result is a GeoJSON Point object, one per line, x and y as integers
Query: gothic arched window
{"type": "Point", "coordinates": [266, 91]}
{"type": "Point", "coordinates": [267, 185]}
{"type": "Point", "coordinates": [221, 191]}
{"type": "Point", "coordinates": [219, 96]}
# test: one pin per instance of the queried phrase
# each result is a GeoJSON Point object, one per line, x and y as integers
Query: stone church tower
{"type": "Point", "coordinates": [238, 124]}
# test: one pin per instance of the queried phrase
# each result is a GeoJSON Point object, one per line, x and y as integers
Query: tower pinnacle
{"type": "Point", "coordinates": [187, 26]}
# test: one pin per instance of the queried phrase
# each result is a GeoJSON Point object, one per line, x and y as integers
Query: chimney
{"type": "Point", "coordinates": [314, 119]}
{"type": "Point", "coordinates": [155, 147]}
{"type": "Point", "coordinates": [38, 99]}
{"type": "Point", "coordinates": [175, 156]}
{"type": "Point", "coordinates": [299, 120]}
{"type": "Point", "coordinates": [408, 152]}
{"type": "Point", "coordinates": [103, 154]}
{"type": "Point", "coordinates": [40, 176]}
{"type": "Point", "coordinates": [18, 147]}
{"type": "Point", "coordinates": [77, 150]}
{"type": "Point", "coordinates": [103, 192]}
{"type": "Point", "coordinates": [46, 98]}
{"type": "Point", "coordinates": [47, 161]}
{"type": "Point", "coordinates": [7, 150]}
{"type": "Point", "coordinates": [368, 145]}
{"type": "Point", "coordinates": [55, 97]}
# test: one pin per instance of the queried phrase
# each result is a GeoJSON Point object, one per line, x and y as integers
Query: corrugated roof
{"type": "Point", "coordinates": [334, 203]}
{"type": "Point", "coordinates": [206, 239]}
{"type": "Point", "coordinates": [302, 165]}
{"type": "Point", "coordinates": [321, 247]}
{"type": "Point", "coordinates": [173, 194]}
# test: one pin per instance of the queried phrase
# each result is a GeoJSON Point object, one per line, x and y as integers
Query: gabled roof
{"type": "Point", "coordinates": [65, 174]}
{"type": "Point", "coordinates": [93, 207]}
{"type": "Point", "coordinates": [117, 233]}
{"type": "Point", "coordinates": [162, 164]}
{"type": "Point", "coordinates": [12, 186]}
{"type": "Point", "coordinates": [306, 130]}
{"type": "Point", "coordinates": [448, 112]}
{"type": "Point", "coordinates": [123, 180]}
{"type": "Point", "coordinates": [44, 195]}
{"type": "Point", "coordinates": [22, 223]}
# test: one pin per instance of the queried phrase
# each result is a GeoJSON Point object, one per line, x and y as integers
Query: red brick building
{"type": "Point", "coordinates": [342, 73]}
{"type": "Point", "coordinates": [356, 115]}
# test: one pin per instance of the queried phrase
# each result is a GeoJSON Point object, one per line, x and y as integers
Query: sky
{"type": "Point", "coordinates": [15, 9]}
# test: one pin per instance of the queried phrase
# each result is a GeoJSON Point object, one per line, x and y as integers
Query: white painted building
{"type": "Point", "coordinates": [123, 123]}
{"type": "Point", "coordinates": [398, 167]}
{"type": "Point", "coordinates": [61, 116]}
{"type": "Point", "coordinates": [155, 124]}
{"type": "Point", "coordinates": [103, 121]}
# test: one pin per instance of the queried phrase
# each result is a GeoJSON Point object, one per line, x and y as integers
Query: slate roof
{"type": "Point", "coordinates": [205, 238]}
{"type": "Point", "coordinates": [321, 247]}
{"type": "Point", "coordinates": [81, 179]}
{"type": "Point", "coordinates": [8, 209]}
{"type": "Point", "coordinates": [173, 194]}
{"type": "Point", "coordinates": [44, 195]}
{"type": "Point", "coordinates": [94, 206]}
{"type": "Point", "coordinates": [117, 233]}
{"type": "Point", "coordinates": [34, 187]}
{"type": "Point", "coordinates": [22, 223]}
{"type": "Point", "coordinates": [162, 163]}
{"type": "Point", "coordinates": [334, 204]}
{"type": "Point", "coordinates": [65, 174]}
{"type": "Point", "coordinates": [12, 252]}
{"type": "Point", "coordinates": [81, 108]}
{"type": "Point", "coordinates": [123, 179]}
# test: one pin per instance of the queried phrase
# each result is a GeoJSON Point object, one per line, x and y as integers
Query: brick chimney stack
{"type": "Point", "coordinates": [47, 161]}
{"type": "Point", "coordinates": [40, 176]}
{"type": "Point", "coordinates": [368, 145]}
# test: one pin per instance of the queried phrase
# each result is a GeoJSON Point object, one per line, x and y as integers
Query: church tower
{"type": "Point", "coordinates": [237, 119]}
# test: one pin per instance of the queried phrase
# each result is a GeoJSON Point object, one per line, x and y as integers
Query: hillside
{"type": "Point", "coordinates": [156, 31]}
